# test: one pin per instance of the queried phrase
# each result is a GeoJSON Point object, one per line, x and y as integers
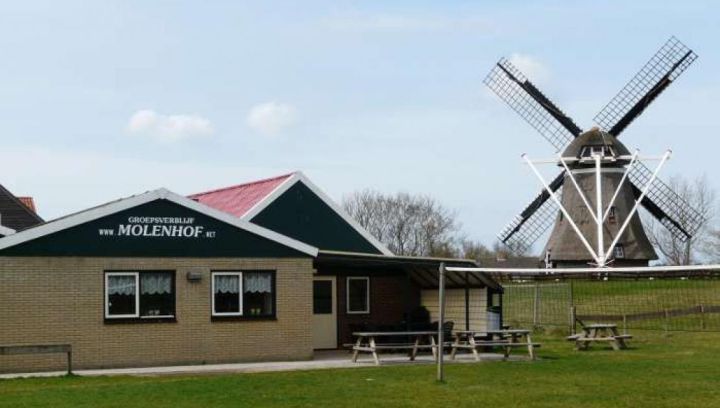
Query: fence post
{"type": "Point", "coordinates": [536, 305]}
{"type": "Point", "coordinates": [624, 323]}
{"type": "Point", "coordinates": [702, 317]}
{"type": "Point", "coordinates": [441, 323]}
{"type": "Point", "coordinates": [572, 307]}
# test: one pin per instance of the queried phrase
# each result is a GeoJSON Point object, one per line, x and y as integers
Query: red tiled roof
{"type": "Point", "coordinates": [238, 200]}
{"type": "Point", "coordinates": [29, 203]}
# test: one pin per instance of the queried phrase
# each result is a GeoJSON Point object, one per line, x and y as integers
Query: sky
{"type": "Point", "coordinates": [105, 99]}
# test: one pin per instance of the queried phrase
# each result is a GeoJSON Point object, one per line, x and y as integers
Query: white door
{"type": "Point", "coordinates": [324, 313]}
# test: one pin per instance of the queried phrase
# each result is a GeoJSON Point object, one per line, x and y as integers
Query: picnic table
{"type": "Point", "coordinates": [507, 339]}
{"type": "Point", "coordinates": [366, 343]}
{"type": "Point", "coordinates": [601, 332]}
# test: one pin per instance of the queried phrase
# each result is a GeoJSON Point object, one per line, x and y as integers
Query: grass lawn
{"type": "Point", "coordinates": [681, 369]}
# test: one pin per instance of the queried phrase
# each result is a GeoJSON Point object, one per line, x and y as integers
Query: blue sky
{"type": "Point", "coordinates": [99, 100]}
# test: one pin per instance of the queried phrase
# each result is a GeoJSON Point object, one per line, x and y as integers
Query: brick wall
{"type": "Point", "coordinates": [60, 300]}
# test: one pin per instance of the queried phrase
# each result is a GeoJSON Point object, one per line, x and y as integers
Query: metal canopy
{"type": "Point", "coordinates": [421, 270]}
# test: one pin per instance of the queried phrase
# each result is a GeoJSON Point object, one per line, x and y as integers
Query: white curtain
{"type": "Point", "coordinates": [227, 284]}
{"type": "Point", "coordinates": [155, 283]}
{"type": "Point", "coordinates": [257, 283]}
{"type": "Point", "coordinates": [121, 285]}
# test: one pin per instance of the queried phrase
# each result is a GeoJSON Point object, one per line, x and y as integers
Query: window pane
{"type": "Point", "coordinates": [121, 295]}
{"type": "Point", "coordinates": [322, 297]}
{"type": "Point", "coordinates": [357, 293]}
{"type": "Point", "coordinates": [157, 297]}
{"type": "Point", "coordinates": [227, 293]}
{"type": "Point", "coordinates": [257, 294]}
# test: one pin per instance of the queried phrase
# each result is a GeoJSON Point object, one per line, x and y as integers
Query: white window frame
{"type": "Point", "coordinates": [619, 251]}
{"type": "Point", "coordinates": [137, 295]}
{"type": "Point", "coordinates": [612, 215]}
{"type": "Point", "coordinates": [347, 294]}
{"type": "Point", "coordinates": [240, 293]}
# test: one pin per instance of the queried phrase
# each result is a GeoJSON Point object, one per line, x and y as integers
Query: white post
{"type": "Point", "coordinates": [622, 180]}
{"type": "Point", "coordinates": [441, 321]}
{"type": "Point", "coordinates": [599, 212]}
{"type": "Point", "coordinates": [579, 190]}
{"type": "Point", "coordinates": [564, 211]}
{"type": "Point", "coordinates": [665, 157]}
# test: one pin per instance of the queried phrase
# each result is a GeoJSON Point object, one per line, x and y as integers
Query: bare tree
{"type": "Point", "coordinates": [673, 250]}
{"type": "Point", "coordinates": [408, 224]}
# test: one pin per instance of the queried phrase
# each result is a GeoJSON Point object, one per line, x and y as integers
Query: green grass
{"type": "Point", "coordinates": [616, 297]}
{"type": "Point", "coordinates": [658, 371]}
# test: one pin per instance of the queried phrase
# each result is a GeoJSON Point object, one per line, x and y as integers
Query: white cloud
{"type": "Point", "coordinates": [272, 117]}
{"type": "Point", "coordinates": [169, 128]}
{"type": "Point", "coordinates": [535, 70]}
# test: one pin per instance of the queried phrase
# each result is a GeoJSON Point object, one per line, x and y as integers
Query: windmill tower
{"type": "Point", "coordinates": [597, 168]}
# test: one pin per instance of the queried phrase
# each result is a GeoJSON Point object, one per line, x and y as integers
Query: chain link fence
{"type": "Point", "coordinates": [683, 303]}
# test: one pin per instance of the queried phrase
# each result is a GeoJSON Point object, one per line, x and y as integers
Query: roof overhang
{"type": "Point", "coordinates": [5, 231]}
{"type": "Point", "coordinates": [422, 270]}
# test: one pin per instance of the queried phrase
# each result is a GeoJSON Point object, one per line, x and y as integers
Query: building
{"type": "Point", "coordinates": [269, 270]}
{"type": "Point", "coordinates": [16, 213]}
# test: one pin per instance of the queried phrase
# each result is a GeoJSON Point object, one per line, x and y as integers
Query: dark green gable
{"type": "Point", "coordinates": [159, 228]}
{"type": "Point", "coordinates": [301, 214]}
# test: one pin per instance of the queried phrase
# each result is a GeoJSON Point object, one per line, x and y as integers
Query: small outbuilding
{"type": "Point", "coordinates": [263, 271]}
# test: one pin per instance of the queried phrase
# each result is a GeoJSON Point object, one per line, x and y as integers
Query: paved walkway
{"type": "Point", "coordinates": [322, 360]}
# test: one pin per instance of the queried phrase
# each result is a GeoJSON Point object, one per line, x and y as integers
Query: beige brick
{"type": "Point", "coordinates": [60, 300]}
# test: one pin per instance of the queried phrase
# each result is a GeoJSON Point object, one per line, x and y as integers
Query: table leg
{"type": "Point", "coordinates": [434, 347]}
{"type": "Point", "coordinates": [531, 349]}
{"type": "Point", "coordinates": [356, 349]}
{"type": "Point", "coordinates": [471, 341]}
{"type": "Point", "coordinates": [620, 342]}
{"type": "Point", "coordinates": [456, 343]}
{"type": "Point", "coordinates": [415, 348]}
{"type": "Point", "coordinates": [374, 352]}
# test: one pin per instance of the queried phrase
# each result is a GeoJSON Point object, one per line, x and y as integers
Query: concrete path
{"type": "Point", "coordinates": [322, 360]}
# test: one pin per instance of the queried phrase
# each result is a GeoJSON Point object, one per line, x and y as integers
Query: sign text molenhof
{"type": "Point", "coordinates": [170, 227]}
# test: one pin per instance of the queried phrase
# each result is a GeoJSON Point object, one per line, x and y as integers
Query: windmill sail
{"type": "Point", "coordinates": [656, 75]}
{"type": "Point", "coordinates": [524, 98]}
{"type": "Point", "coordinates": [534, 220]}
{"type": "Point", "coordinates": [668, 207]}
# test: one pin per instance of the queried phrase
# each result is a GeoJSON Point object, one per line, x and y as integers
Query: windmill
{"type": "Point", "coordinates": [597, 171]}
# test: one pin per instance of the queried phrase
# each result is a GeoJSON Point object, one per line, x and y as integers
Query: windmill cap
{"type": "Point", "coordinates": [595, 137]}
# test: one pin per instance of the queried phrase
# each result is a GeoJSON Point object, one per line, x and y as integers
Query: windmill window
{"type": "Point", "coordinates": [619, 251]}
{"type": "Point", "coordinates": [612, 218]}
{"type": "Point", "coordinates": [591, 150]}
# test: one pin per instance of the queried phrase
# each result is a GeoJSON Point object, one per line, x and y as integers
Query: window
{"type": "Point", "coordinates": [249, 294]}
{"type": "Point", "coordinates": [619, 251]}
{"type": "Point", "coordinates": [592, 150]}
{"type": "Point", "coordinates": [358, 295]}
{"type": "Point", "coordinates": [612, 219]}
{"type": "Point", "coordinates": [139, 295]}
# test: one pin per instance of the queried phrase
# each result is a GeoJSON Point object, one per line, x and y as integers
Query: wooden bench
{"type": "Point", "coordinates": [366, 343]}
{"type": "Point", "coordinates": [507, 339]}
{"type": "Point", "coordinates": [599, 333]}
{"type": "Point", "coordinates": [40, 349]}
